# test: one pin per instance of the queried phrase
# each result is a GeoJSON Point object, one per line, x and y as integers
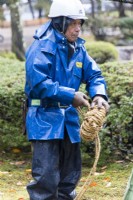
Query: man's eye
{"type": "Point", "coordinates": [73, 23]}
{"type": "Point", "coordinates": [76, 24]}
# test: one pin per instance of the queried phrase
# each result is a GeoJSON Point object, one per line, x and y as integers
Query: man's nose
{"type": "Point", "coordinates": [78, 28]}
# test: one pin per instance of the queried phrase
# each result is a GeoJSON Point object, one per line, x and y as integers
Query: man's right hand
{"type": "Point", "coordinates": [80, 99]}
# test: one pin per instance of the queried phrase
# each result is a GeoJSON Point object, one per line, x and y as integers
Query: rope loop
{"type": "Point", "coordinates": [92, 122]}
{"type": "Point", "coordinates": [90, 127]}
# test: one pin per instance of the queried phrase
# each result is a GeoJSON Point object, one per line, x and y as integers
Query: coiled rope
{"type": "Point", "coordinates": [90, 127]}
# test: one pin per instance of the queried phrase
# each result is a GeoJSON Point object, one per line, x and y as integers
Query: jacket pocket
{"type": "Point", "coordinates": [77, 72]}
{"type": "Point", "coordinates": [77, 77]}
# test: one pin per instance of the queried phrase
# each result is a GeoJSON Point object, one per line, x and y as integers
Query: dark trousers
{"type": "Point", "coordinates": [56, 169]}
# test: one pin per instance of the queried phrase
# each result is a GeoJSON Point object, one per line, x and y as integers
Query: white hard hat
{"type": "Point", "coordinates": [68, 8]}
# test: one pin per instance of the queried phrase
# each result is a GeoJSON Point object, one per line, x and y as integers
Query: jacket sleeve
{"type": "Point", "coordinates": [92, 76]}
{"type": "Point", "coordinates": [39, 83]}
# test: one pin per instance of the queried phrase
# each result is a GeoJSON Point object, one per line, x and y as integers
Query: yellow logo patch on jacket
{"type": "Point", "coordinates": [79, 64]}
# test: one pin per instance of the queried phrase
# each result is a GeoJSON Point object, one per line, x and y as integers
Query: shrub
{"type": "Point", "coordinates": [11, 94]}
{"type": "Point", "coordinates": [102, 52]}
{"type": "Point", "coordinates": [7, 54]}
{"type": "Point", "coordinates": [126, 26]}
{"type": "Point", "coordinates": [1, 13]}
{"type": "Point", "coordinates": [119, 78]}
{"type": "Point", "coordinates": [117, 134]}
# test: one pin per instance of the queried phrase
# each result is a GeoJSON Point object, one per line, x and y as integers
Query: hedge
{"type": "Point", "coordinates": [102, 52]}
{"type": "Point", "coordinates": [117, 133]}
{"type": "Point", "coordinates": [11, 95]}
{"type": "Point", "coordinates": [8, 54]}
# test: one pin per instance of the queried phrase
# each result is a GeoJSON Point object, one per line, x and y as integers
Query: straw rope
{"type": "Point", "coordinates": [92, 123]}
{"type": "Point", "coordinates": [90, 127]}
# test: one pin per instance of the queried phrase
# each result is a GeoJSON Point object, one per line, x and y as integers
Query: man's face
{"type": "Point", "coordinates": [73, 30]}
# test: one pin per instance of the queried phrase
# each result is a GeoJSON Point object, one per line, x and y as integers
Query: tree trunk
{"type": "Point", "coordinates": [40, 10]}
{"type": "Point", "coordinates": [93, 9]}
{"type": "Point", "coordinates": [99, 6]}
{"type": "Point", "coordinates": [17, 33]}
{"type": "Point", "coordinates": [31, 8]}
{"type": "Point", "coordinates": [121, 10]}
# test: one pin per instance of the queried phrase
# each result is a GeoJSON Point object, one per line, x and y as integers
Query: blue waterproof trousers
{"type": "Point", "coordinates": [56, 169]}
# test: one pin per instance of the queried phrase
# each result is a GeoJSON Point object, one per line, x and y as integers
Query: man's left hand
{"type": "Point", "coordinates": [100, 101]}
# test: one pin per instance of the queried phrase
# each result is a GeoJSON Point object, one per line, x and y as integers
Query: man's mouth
{"type": "Point", "coordinates": [75, 35]}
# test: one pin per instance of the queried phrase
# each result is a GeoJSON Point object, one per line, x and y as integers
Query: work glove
{"type": "Point", "coordinates": [80, 99]}
{"type": "Point", "coordinates": [100, 101]}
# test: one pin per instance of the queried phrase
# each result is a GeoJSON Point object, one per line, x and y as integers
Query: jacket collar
{"type": "Point", "coordinates": [60, 38]}
{"type": "Point", "coordinates": [42, 30]}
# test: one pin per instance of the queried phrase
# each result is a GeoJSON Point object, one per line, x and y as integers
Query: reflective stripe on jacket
{"type": "Point", "coordinates": [50, 76]}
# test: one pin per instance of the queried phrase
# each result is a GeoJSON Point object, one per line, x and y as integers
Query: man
{"type": "Point", "coordinates": [56, 64]}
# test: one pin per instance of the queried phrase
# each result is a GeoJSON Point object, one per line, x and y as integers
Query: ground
{"type": "Point", "coordinates": [109, 181]}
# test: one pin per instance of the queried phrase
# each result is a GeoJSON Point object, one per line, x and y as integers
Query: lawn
{"type": "Point", "coordinates": [109, 181]}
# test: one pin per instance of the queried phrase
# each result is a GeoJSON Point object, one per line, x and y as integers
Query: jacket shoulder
{"type": "Point", "coordinates": [44, 40]}
{"type": "Point", "coordinates": [42, 30]}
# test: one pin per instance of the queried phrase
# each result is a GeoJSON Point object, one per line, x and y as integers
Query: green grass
{"type": "Point", "coordinates": [14, 175]}
{"type": "Point", "coordinates": [108, 183]}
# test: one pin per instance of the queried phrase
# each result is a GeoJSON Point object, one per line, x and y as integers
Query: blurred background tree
{"type": "Point", "coordinates": [16, 28]}
{"type": "Point", "coordinates": [1, 14]}
{"type": "Point", "coordinates": [17, 31]}
{"type": "Point", "coordinates": [42, 7]}
{"type": "Point", "coordinates": [31, 8]}
{"type": "Point", "coordinates": [120, 8]}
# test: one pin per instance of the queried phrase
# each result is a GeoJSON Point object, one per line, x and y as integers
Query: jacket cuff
{"type": "Point", "coordinates": [103, 96]}
{"type": "Point", "coordinates": [98, 91]}
{"type": "Point", "coordinates": [65, 95]}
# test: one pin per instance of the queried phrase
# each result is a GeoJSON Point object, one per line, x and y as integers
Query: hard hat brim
{"type": "Point", "coordinates": [77, 17]}
{"type": "Point", "coordinates": [70, 16]}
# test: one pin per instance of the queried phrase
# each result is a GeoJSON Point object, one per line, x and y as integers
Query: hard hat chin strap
{"type": "Point", "coordinates": [64, 25]}
{"type": "Point", "coordinates": [61, 23]}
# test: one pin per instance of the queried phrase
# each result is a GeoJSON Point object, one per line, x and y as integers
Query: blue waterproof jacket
{"type": "Point", "coordinates": [50, 77]}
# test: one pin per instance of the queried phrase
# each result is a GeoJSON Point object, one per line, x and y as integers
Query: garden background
{"type": "Point", "coordinates": [109, 40]}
